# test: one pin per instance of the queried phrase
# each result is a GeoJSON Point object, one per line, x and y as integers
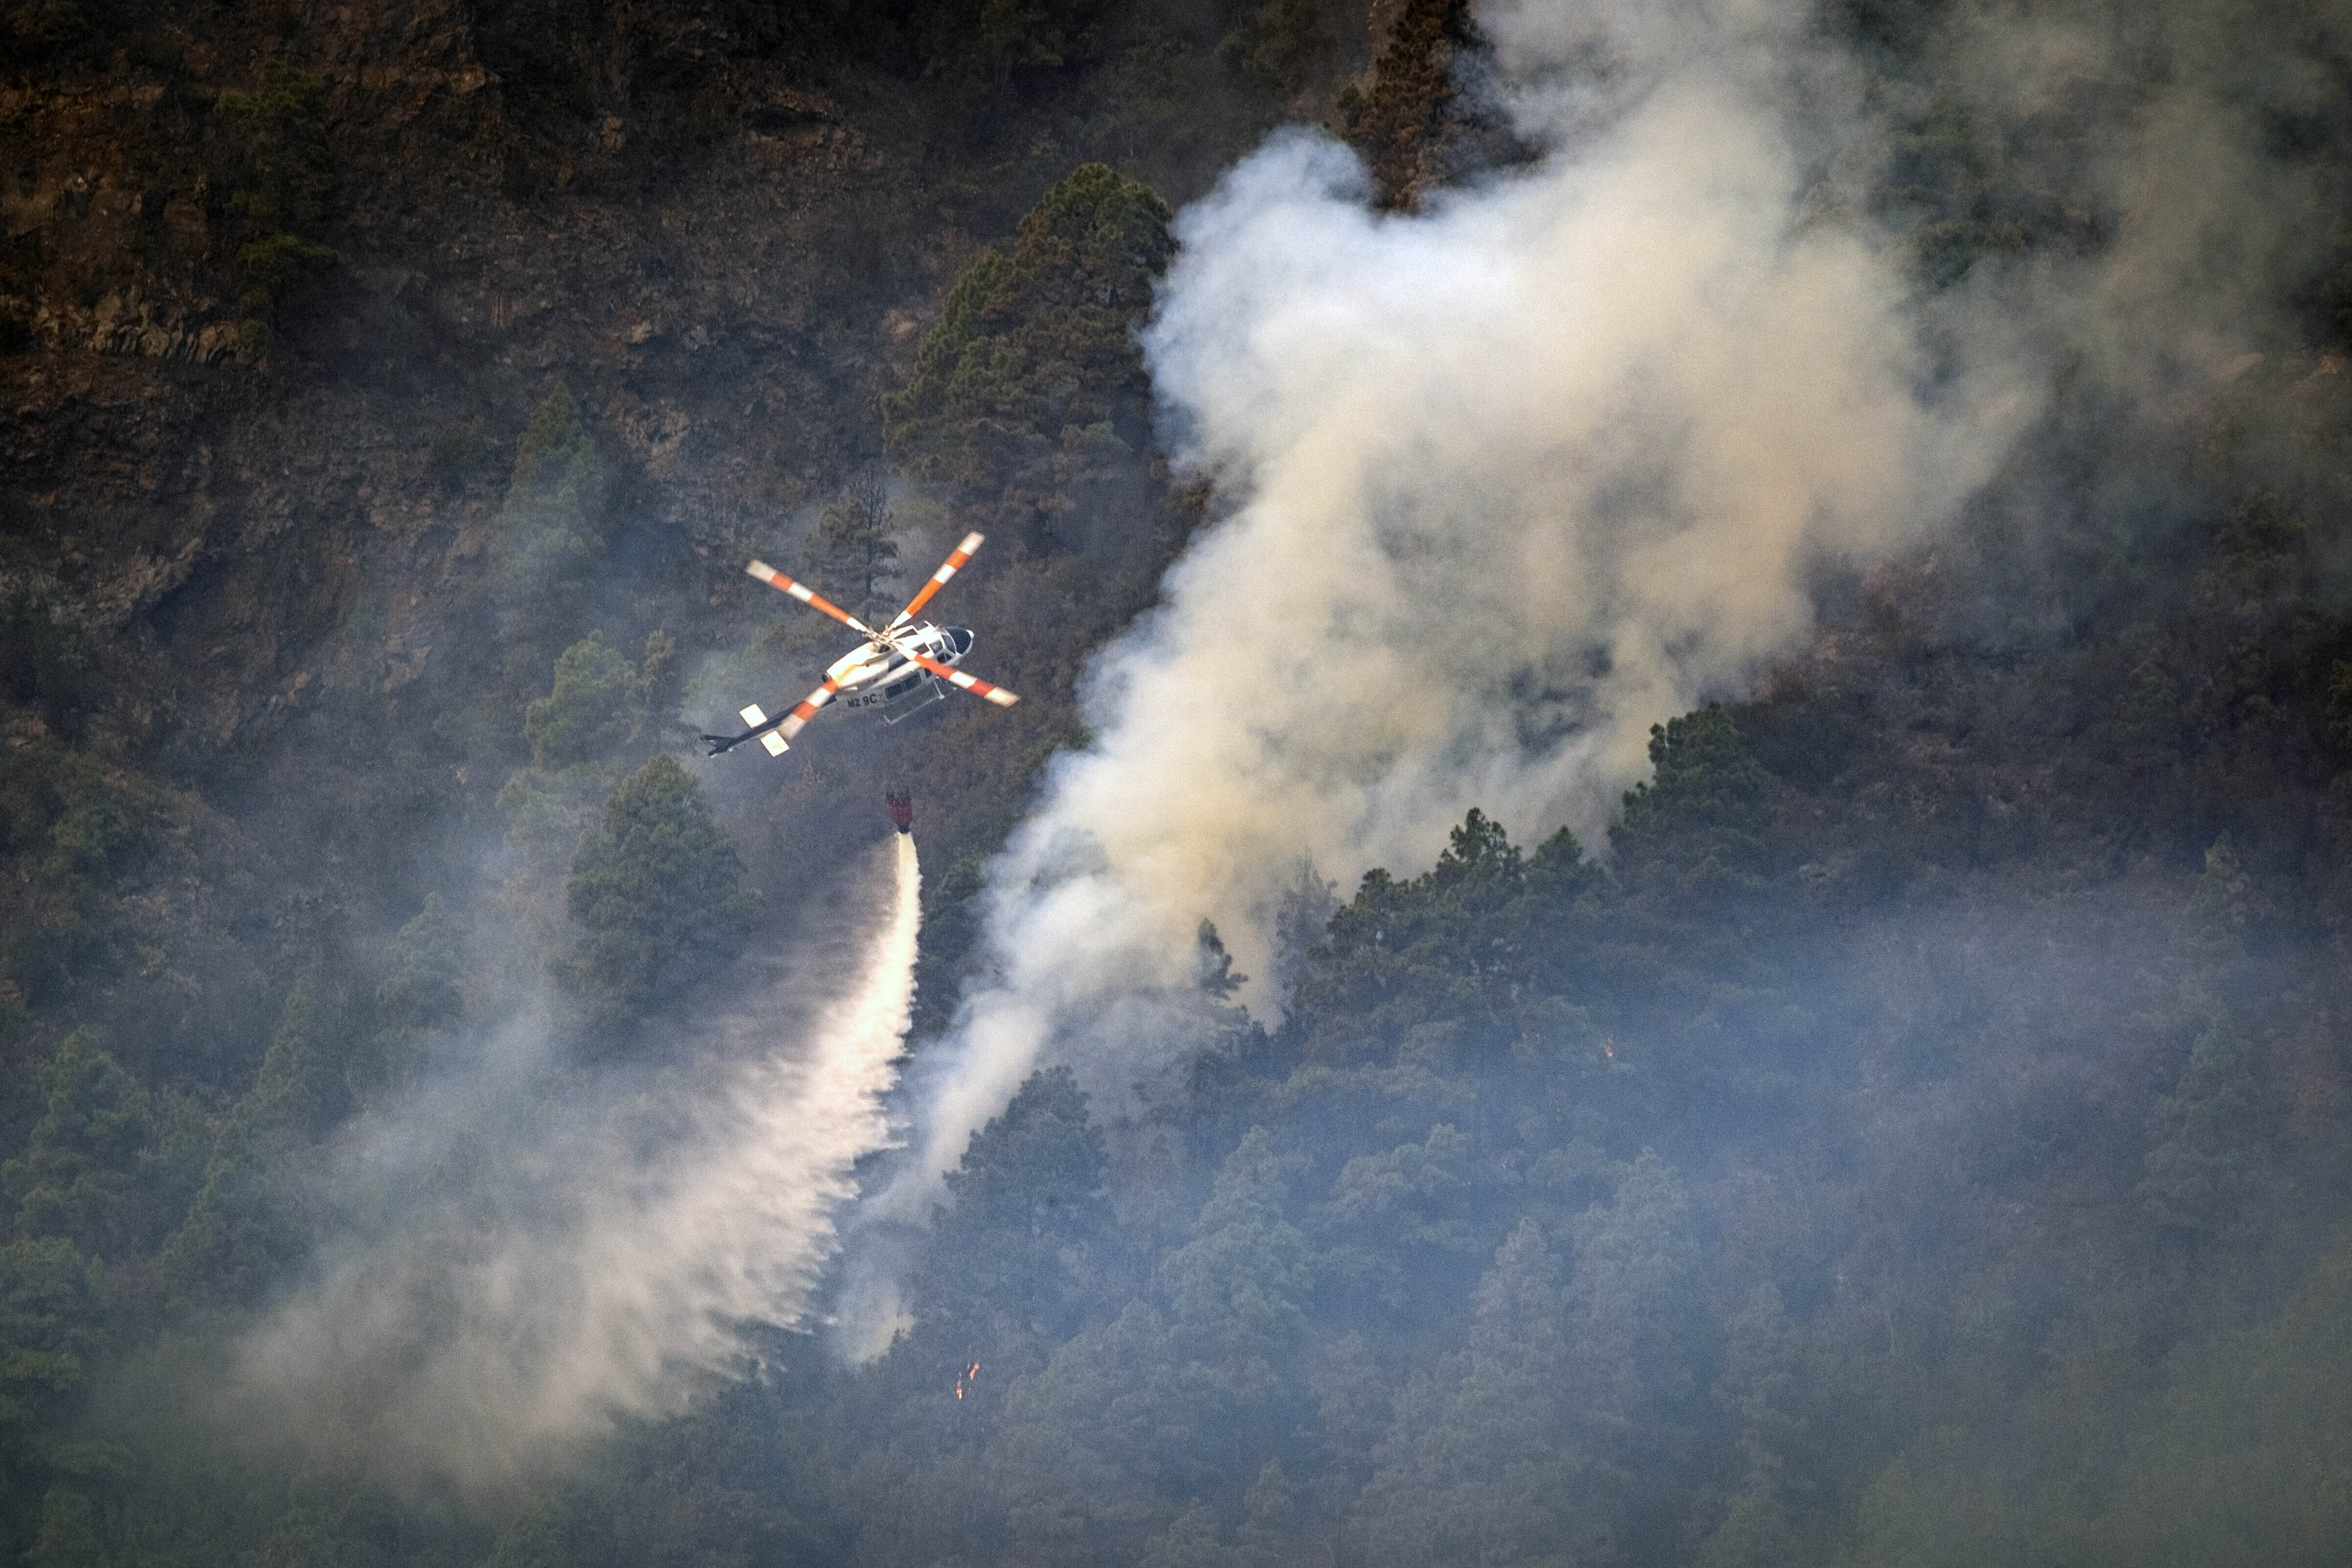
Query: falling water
{"type": "Point", "coordinates": [614, 1280]}
{"type": "Point", "coordinates": [744, 1231]}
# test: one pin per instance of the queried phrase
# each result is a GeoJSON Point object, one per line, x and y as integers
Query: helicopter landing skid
{"type": "Point", "coordinates": [939, 694]}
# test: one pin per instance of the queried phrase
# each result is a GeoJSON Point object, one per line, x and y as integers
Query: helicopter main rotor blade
{"type": "Point", "coordinates": [790, 725]}
{"type": "Point", "coordinates": [963, 553]}
{"type": "Point", "coordinates": [808, 596]}
{"type": "Point", "coordinates": [971, 684]}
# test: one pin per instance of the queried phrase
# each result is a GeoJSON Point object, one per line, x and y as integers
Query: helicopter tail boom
{"type": "Point", "coordinates": [762, 730]}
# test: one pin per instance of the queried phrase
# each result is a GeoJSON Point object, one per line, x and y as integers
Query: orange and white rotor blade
{"type": "Point", "coordinates": [954, 677]}
{"type": "Point", "coordinates": [954, 563]}
{"type": "Point", "coordinates": [806, 595]}
{"type": "Point", "coordinates": [790, 725]}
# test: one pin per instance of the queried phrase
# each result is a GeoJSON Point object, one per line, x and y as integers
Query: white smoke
{"type": "Point", "coordinates": [1512, 480]}
{"type": "Point", "coordinates": [619, 1279]}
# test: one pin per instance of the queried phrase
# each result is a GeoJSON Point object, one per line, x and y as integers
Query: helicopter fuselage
{"type": "Point", "coordinates": [883, 679]}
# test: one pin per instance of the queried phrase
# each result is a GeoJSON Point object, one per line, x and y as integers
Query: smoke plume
{"type": "Point", "coordinates": [605, 1262]}
{"type": "Point", "coordinates": [1505, 482]}
{"type": "Point", "coordinates": [1508, 481]}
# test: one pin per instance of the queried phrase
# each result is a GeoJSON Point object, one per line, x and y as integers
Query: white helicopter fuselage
{"type": "Point", "coordinates": [870, 677]}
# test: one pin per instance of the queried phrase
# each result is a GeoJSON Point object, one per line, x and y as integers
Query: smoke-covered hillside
{"type": "Point", "coordinates": [1670, 886]}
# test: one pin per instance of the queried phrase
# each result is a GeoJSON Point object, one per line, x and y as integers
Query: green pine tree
{"type": "Point", "coordinates": [590, 709]}
{"type": "Point", "coordinates": [1033, 379]}
{"type": "Point", "coordinates": [1030, 1184]}
{"type": "Point", "coordinates": [1691, 843]}
{"type": "Point", "coordinates": [78, 1177]}
{"type": "Point", "coordinates": [657, 892]}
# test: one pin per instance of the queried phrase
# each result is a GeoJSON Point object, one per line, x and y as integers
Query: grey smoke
{"type": "Point", "coordinates": [1508, 482]}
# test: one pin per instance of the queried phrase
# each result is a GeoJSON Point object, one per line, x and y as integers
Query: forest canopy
{"type": "Point", "coordinates": [1906, 1120]}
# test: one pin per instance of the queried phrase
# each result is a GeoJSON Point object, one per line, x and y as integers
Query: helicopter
{"type": "Point", "coordinates": [906, 665]}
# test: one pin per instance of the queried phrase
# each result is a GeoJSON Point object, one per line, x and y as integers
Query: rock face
{"type": "Point", "coordinates": [279, 283]}
{"type": "Point", "coordinates": [204, 457]}
{"type": "Point", "coordinates": [282, 287]}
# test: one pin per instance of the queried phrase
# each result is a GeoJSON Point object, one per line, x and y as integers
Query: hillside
{"type": "Point", "coordinates": [1909, 1127]}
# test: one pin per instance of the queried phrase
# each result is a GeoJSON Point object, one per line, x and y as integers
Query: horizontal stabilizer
{"type": "Point", "coordinates": [754, 717]}
{"type": "Point", "coordinates": [776, 744]}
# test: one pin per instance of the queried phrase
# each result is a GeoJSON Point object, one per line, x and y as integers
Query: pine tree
{"type": "Point", "coordinates": [1028, 1189]}
{"type": "Point", "coordinates": [418, 996]}
{"type": "Point", "coordinates": [1032, 381]}
{"type": "Point", "coordinates": [49, 1330]}
{"type": "Point", "coordinates": [77, 1178]}
{"type": "Point", "coordinates": [1486, 1464]}
{"type": "Point", "coordinates": [1302, 913]}
{"type": "Point", "coordinates": [427, 962]}
{"type": "Point", "coordinates": [244, 1230]}
{"type": "Point", "coordinates": [550, 530]}
{"type": "Point", "coordinates": [1236, 1290]}
{"type": "Point", "coordinates": [1691, 843]}
{"type": "Point", "coordinates": [588, 710]}
{"type": "Point", "coordinates": [1755, 1387]}
{"type": "Point", "coordinates": [657, 892]}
